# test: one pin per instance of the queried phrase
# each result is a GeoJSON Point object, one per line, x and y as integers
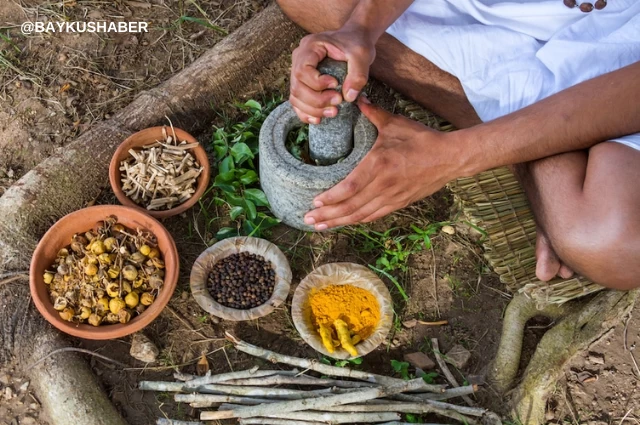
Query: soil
{"type": "Point", "coordinates": [54, 87]}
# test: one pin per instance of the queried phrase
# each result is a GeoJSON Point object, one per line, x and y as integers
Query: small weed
{"type": "Point", "coordinates": [341, 363]}
{"type": "Point", "coordinates": [236, 185]}
{"type": "Point", "coordinates": [402, 368]}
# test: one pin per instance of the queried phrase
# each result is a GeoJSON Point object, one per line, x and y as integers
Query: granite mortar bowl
{"type": "Point", "coordinates": [205, 262]}
{"type": "Point", "coordinates": [59, 236]}
{"type": "Point", "coordinates": [147, 137]}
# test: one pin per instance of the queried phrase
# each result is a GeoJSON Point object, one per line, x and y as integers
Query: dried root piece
{"type": "Point", "coordinates": [162, 175]}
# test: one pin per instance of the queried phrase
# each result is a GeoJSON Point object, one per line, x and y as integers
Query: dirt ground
{"type": "Point", "coordinates": [54, 87]}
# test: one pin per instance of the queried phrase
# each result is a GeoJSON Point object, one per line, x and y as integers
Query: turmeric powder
{"type": "Point", "coordinates": [356, 307]}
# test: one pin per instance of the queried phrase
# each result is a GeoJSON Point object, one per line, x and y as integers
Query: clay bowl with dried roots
{"type": "Point", "coordinates": [60, 235]}
{"type": "Point", "coordinates": [148, 137]}
{"type": "Point", "coordinates": [241, 244]}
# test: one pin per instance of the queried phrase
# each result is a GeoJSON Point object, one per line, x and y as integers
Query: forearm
{"type": "Point", "coordinates": [373, 17]}
{"type": "Point", "coordinates": [577, 118]}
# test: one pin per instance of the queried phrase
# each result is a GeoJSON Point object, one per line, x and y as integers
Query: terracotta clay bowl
{"type": "Point", "coordinates": [225, 248]}
{"type": "Point", "coordinates": [59, 236]}
{"type": "Point", "coordinates": [147, 137]}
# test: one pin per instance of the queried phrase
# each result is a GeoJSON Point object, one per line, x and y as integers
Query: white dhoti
{"type": "Point", "coordinates": [510, 54]}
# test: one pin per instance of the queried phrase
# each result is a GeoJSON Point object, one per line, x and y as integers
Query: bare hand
{"type": "Point", "coordinates": [311, 96]}
{"type": "Point", "coordinates": [408, 162]}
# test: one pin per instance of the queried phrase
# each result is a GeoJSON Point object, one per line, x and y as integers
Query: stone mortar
{"type": "Point", "coordinates": [332, 139]}
{"type": "Point", "coordinates": [290, 184]}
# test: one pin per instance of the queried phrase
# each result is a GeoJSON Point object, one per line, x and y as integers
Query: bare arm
{"type": "Point", "coordinates": [594, 111]}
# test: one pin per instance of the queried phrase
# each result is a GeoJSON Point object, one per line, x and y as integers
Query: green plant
{"type": "Point", "coordinates": [236, 184]}
{"type": "Point", "coordinates": [341, 363]}
{"type": "Point", "coordinates": [402, 368]}
{"type": "Point", "coordinates": [396, 246]}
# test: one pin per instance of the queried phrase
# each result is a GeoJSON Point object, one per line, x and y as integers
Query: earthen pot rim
{"type": "Point", "coordinates": [59, 236]}
{"type": "Point", "coordinates": [146, 137]}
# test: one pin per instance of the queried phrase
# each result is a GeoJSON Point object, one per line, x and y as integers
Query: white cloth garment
{"type": "Point", "coordinates": [510, 54]}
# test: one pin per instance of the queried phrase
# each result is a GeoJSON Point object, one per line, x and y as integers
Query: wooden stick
{"type": "Point", "coordinates": [179, 376]}
{"type": "Point", "coordinates": [217, 399]}
{"type": "Point", "coordinates": [231, 376]}
{"type": "Point", "coordinates": [163, 421]}
{"type": "Point", "coordinates": [320, 403]}
{"type": "Point", "coordinates": [338, 418]}
{"type": "Point", "coordinates": [299, 380]}
{"type": "Point", "coordinates": [428, 406]}
{"type": "Point", "coordinates": [445, 369]}
{"type": "Point", "coordinates": [447, 394]}
{"type": "Point", "coordinates": [272, 421]}
{"type": "Point", "coordinates": [280, 393]}
{"type": "Point", "coordinates": [314, 365]}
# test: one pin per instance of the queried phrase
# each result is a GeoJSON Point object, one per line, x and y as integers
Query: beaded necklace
{"type": "Point", "coordinates": [586, 7]}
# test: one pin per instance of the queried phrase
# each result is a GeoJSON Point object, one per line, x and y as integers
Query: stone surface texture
{"type": "Point", "coordinates": [291, 185]}
{"type": "Point", "coordinates": [420, 360]}
{"type": "Point", "coordinates": [458, 356]}
{"type": "Point", "coordinates": [143, 349]}
{"type": "Point", "coordinates": [332, 139]}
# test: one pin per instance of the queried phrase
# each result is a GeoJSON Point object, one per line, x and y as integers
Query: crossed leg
{"type": "Point", "coordinates": [586, 208]}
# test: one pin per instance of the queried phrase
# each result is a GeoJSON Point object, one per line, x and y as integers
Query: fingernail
{"type": "Point", "coordinates": [318, 204]}
{"type": "Point", "coordinates": [322, 226]}
{"type": "Point", "coordinates": [329, 112]}
{"type": "Point", "coordinates": [352, 95]}
{"type": "Point", "coordinates": [333, 85]}
{"type": "Point", "coordinates": [335, 101]}
{"type": "Point", "coordinates": [365, 99]}
{"type": "Point", "coordinates": [314, 120]}
{"type": "Point", "coordinates": [309, 220]}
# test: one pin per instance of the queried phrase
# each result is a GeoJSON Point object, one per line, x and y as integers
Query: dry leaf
{"type": "Point", "coordinates": [203, 365]}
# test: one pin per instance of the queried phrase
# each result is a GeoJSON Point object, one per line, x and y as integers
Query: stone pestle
{"type": "Point", "coordinates": [332, 139]}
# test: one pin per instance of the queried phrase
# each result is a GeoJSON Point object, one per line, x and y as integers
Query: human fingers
{"type": "Point", "coordinates": [384, 211]}
{"type": "Point", "coordinates": [305, 118]}
{"type": "Point", "coordinates": [358, 63]}
{"type": "Point", "coordinates": [565, 272]}
{"type": "Point", "coordinates": [378, 116]}
{"type": "Point", "coordinates": [324, 102]}
{"type": "Point", "coordinates": [548, 263]}
{"type": "Point", "coordinates": [357, 180]}
{"type": "Point", "coordinates": [349, 211]}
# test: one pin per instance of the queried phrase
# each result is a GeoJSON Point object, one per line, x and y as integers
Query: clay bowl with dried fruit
{"type": "Point", "coordinates": [138, 191]}
{"type": "Point", "coordinates": [93, 219]}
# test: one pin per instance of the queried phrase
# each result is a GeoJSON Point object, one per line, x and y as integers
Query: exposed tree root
{"type": "Point", "coordinates": [68, 179]}
{"type": "Point", "coordinates": [584, 324]}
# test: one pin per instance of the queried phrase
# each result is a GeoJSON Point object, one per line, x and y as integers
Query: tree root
{"type": "Point", "coordinates": [584, 323]}
{"type": "Point", "coordinates": [68, 179]}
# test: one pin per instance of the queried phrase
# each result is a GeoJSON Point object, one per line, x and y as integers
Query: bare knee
{"type": "Point", "coordinates": [607, 251]}
{"type": "Point", "coordinates": [318, 16]}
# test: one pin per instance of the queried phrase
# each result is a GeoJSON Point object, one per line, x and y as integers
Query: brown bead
{"type": "Point", "coordinates": [586, 7]}
{"type": "Point", "coordinates": [570, 3]}
{"type": "Point", "coordinates": [601, 4]}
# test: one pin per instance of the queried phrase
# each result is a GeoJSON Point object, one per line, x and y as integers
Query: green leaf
{"type": "Point", "coordinates": [227, 177]}
{"type": "Point", "coordinates": [430, 377]}
{"type": "Point", "coordinates": [248, 228]}
{"type": "Point", "coordinates": [356, 361]}
{"type": "Point", "coordinates": [203, 22]}
{"type": "Point", "coordinates": [427, 241]}
{"type": "Point", "coordinates": [413, 419]}
{"type": "Point", "coordinates": [342, 363]}
{"type": "Point", "coordinates": [325, 360]}
{"type": "Point", "coordinates": [226, 232]}
{"type": "Point", "coordinates": [226, 165]}
{"type": "Point", "coordinates": [226, 187]}
{"type": "Point", "coordinates": [236, 212]}
{"type": "Point", "coordinates": [256, 196]}
{"type": "Point", "coordinates": [253, 105]}
{"type": "Point", "coordinates": [250, 209]}
{"type": "Point", "coordinates": [220, 151]}
{"type": "Point", "coordinates": [234, 200]}
{"type": "Point", "coordinates": [249, 177]}
{"type": "Point", "coordinates": [241, 152]}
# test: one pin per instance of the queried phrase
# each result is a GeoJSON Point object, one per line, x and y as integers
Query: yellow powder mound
{"type": "Point", "coordinates": [355, 306]}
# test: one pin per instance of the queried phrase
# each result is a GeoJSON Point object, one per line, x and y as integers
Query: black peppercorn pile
{"type": "Point", "coordinates": [242, 281]}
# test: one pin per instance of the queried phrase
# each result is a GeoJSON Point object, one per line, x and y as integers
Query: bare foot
{"type": "Point", "coordinates": [549, 265]}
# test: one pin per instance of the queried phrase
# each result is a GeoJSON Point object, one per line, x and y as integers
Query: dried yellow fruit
{"type": "Point", "coordinates": [110, 243]}
{"type": "Point", "coordinates": [97, 247]}
{"type": "Point", "coordinates": [124, 316]}
{"type": "Point", "coordinates": [91, 269]}
{"type": "Point", "coordinates": [102, 305]}
{"type": "Point", "coordinates": [132, 299]}
{"type": "Point", "coordinates": [153, 253]}
{"type": "Point", "coordinates": [111, 318]}
{"type": "Point", "coordinates": [113, 290]}
{"type": "Point", "coordinates": [137, 257]}
{"type": "Point", "coordinates": [48, 278]}
{"type": "Point", "coordinates": [63, 252]}
{"type": "Point", "coordinates": [118, 228]}
{"type": "Point", "coordinates": [155, 282]}
{"type": "Point", "coordinates": [129, 272]}
{"type": "Point", "coordinates": [113, 272]}
{"type": "Point", "coordinates": [116, 304]}
{"type": "Point", "coordinates": [94, 320]}
{"type": "Point", "coordinates": [60, 303]}
{"type": "Point", "coordinates": [147, 298]}
{"type": "Point", "coordinates": [104, 258]}
{"type": "Point", "coordinates": [158, 262]}
{"type": "Point", "coordinates": [145, 250]}
{"type": "Point", "coordinates": [141, 308]}
{"type": "Point", "coordinates": [85, 312]}
{"type": "Point", "coordinates": [67, 314]}
{"type": "Point", "coordinates": [138, 283]}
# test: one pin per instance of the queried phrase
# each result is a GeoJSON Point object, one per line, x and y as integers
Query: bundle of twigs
{"type": "Point", "coordinates": [495, 202]}
{"type": "Point", "coordinates": [341, 395]}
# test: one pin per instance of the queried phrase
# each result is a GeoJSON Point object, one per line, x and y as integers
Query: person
{"type": "Point", "coordinates": [549, 90]}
